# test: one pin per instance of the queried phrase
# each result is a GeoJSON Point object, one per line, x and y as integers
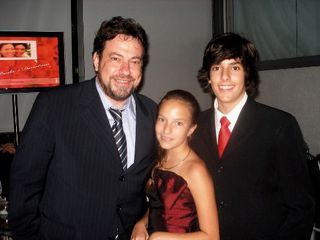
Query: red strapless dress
{"type": "Point", "coordinates": [172, 208]}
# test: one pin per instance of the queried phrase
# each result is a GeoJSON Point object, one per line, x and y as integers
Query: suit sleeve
{"type": "Point", "coordinates": [28, 171]}
{"type": "Point", "coordinates": [295, 186]}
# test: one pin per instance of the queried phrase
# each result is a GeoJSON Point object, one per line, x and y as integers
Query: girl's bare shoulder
{"type": "Point", "coordinates": [194, 168]}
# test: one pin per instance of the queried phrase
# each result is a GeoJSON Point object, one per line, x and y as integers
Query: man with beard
{"type": "Point", "coordinates": [70, 178]}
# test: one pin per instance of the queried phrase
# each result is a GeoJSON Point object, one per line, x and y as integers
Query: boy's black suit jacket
{"type": "Point", "coordinates": [261, 182]}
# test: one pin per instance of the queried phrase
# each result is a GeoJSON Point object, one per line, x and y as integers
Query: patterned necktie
{"type": "Point", "coordinates": [224, 135]}
{"type": "Point", "coordinates": [119, 136]}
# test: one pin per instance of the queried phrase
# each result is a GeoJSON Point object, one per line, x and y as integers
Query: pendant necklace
{"type": "Point", "coordinates": [177, 164]}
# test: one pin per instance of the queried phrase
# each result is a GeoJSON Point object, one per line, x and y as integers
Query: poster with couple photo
{"type": "Point", "coordinates": [30, 61]}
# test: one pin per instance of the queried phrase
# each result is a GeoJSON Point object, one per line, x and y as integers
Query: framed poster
{"type": "Point", "coordinates": [31, 61]}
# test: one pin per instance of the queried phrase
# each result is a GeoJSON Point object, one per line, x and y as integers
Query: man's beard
{"type": "Point", "coordinates": [116, 93]}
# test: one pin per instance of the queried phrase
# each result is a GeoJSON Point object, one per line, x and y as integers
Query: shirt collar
{"type": "Point", "coordinates": [129, 105]}
{"type": "Point", "coordinates": [232, 115]}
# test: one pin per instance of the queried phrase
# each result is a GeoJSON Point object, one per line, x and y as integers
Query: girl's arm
{"type": "Point", "coordinates": [139, 231]}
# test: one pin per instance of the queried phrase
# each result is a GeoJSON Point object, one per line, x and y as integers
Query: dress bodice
{"type": "Point", "coordinates": [172, 208]}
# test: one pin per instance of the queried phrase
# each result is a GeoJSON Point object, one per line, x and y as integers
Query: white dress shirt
{"type": "Point", "coordinates": [128, 121]}
{"type": "Point", "coordinates": [232, 115]}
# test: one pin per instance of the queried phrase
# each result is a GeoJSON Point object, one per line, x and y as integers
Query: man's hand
{"type": "Point", "coordinates": [8, 147]}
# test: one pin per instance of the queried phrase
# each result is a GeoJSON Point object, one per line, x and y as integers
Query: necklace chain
{"type": "Point", "coordinates": [177, 164]}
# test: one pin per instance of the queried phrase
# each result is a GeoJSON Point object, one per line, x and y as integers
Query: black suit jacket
{"type": "Point", "coordinates": [261, 181]}
{"type": "Point", "coordinates": [66, 180]}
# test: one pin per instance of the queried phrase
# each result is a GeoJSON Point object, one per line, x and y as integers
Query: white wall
{"type": "Point", "coordinates": [296, 91]}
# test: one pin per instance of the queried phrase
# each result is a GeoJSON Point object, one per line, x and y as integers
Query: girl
{"type": "Point", "coordinates": [180, 191]}
{"type": "Point", "coordinates": [7, 50]}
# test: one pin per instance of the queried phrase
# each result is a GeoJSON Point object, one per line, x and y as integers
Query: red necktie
{"type": "Point", "coordinates": [224, 135]}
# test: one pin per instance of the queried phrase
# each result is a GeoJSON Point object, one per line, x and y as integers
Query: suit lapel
{"type": "Point", "coordinates": [95, 116]}
{"type": "Point", "coordinates": [213, 138]}
{"type": "Point", "coordinates": [243, 129]}
{"type": "Point", "coordinates": [207, 138]}
{"type": "Point", "coordinates": [144, 125]}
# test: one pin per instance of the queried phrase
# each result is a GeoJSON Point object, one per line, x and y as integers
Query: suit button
{"type": "Point", "coordinates": [122, 178]}
{"type": "Point", "coordinates": [119, 208]}
{"type": "Point", "coordinates": [221, 204]}
{"type": "Point", "coordinates": [220, 169]}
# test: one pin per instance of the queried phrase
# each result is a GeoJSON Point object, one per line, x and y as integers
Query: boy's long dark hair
{"type": "Point", "coordinates": [231, 46]}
